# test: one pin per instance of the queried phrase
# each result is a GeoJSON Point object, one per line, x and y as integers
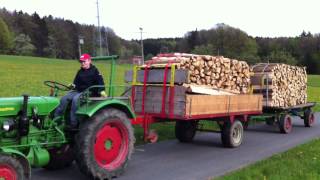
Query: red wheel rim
{"type": "Point", "coordinates": [7, 173]}
{"type": "Point", "coordinates": [288, 124]}
{"type": "Point", "coordinates": [311, 119]}
{"type": "Point", "coordinates": [111, 145]}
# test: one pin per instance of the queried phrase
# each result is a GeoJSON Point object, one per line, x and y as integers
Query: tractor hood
{"type": "Point", "coordinates": [43, 105]}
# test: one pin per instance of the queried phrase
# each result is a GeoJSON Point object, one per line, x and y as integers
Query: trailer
{"type": "Point", "coordinates": [282, 116]}
{"type": "Point", "coordinates": [283, 97]}
{"type": "Point", "coordinates": [171, 102]}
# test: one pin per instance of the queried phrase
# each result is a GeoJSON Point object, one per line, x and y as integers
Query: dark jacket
{"type": "Point", "coordinates": [88, 77]}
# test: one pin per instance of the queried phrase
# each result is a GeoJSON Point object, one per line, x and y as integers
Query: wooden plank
{"type": "Point", "coordinates": [208, 90]}
{"type": "Point", "coordinates": [151, 107]}
{"type": "Point", "coordinates": [244, 103]}
{"type": "Point", "coordinates": [190, 104]}
{"type": "Point", "coordinates": [153, 99]}
{"type": "Point", "coordinates": [206, 104]}
{"type": "Point", "coordinates": [259, 87]}
{"type": "Point", "coordinates": [179, 90]}
{"type": "Point", "coordinates": [257, 79]}
{"type": "Point", "coordinates": [157, 76]}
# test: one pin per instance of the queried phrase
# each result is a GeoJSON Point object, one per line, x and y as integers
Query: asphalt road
{"type": "Point", "coordinates": [202, 159]}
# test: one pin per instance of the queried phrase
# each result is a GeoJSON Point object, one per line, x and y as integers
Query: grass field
{"type": "Point", "coordinates": [299, 163]}
{"type": "Point", "coordinates": [314, 90]}
{"type": "Point", "coordinates": [21, 75]}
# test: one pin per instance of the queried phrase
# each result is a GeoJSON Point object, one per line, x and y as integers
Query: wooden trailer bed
{"type": "Point", "coordinates": [182, 104]}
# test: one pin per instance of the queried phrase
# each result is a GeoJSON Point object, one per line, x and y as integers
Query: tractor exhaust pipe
{"type": "Point", "coordinates": [24, 121]}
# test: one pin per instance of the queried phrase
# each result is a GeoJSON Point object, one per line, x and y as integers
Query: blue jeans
{"type": "Point", "coordinates": [71, 96]}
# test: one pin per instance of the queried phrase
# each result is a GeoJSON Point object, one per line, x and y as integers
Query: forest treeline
{"type": "Point", "coordinates": [32, 35]}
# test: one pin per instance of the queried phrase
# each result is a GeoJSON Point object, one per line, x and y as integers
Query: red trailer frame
{"type": "Point", "coordinates": [225, 120]}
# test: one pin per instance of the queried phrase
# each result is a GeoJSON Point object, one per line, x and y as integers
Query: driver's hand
{"type": "Point", "coordinates": [103, 94]}
{"type": "Point", "coordinates": [71, 86]}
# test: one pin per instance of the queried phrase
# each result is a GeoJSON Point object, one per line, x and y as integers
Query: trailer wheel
{"type": "Point", "coordinates": [285, 124]}
{"type": "Point", "coordinates": [185, 130]}
{"type": "Point", "coordinates": [104, 144]}
{"type": "Point", "coordinates": [60, 157]}
{"type": "Point", "coordinates": [11, 168]}
{"type": "Point", "coordinates": [232, 134]}
{"type": "Point", "coordinates": [308, 118]}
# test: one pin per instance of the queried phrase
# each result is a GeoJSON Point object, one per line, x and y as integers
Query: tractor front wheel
{"type": "Point", "coordinates": [104, 144]}
{"type": "Point", "coordinates": [11, 168]}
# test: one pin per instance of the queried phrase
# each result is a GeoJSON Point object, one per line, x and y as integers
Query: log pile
{"type": "Point", "coordinates": [281, 85]}
{"type": "Point", "coordinates": [217, 72]}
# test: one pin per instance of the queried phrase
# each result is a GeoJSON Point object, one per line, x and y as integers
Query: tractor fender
{"type": "Point", "coordinates": [91, 109]}
{"type": "Point", "coordinates": [22, 159]}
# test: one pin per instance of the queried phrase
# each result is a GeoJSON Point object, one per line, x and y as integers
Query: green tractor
{"type": "Point", "coordinates": [32, 137]}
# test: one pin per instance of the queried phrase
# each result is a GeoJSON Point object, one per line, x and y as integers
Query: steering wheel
{"type": "Point", "coordinates": [57, 85]}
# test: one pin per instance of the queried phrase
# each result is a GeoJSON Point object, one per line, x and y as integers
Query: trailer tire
{"type": "Point", "coordinates": [185, 130]}
{"type": "Point", "coordinates": [60, 157]}
{"type": "Point", "coordinates": [11, 168]}
{"type": "Point", "coordinates": [232, 134]}
{"type": "Point", "coordinates": [104, 144]}
{"type": "Point", "coordinates": [285, 124]}
{"type": "Point", "coordinates": [309, 118]}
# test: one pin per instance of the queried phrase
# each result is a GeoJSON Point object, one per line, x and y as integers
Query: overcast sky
{"type": "Point", "coordinates": [173, 18]}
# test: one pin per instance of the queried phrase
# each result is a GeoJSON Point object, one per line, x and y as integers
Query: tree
{"type": "Point", "coordinates": [281, 57]}
{"type": "Point", "coordinates": [23, 45]}
{"type": "Point", "coordinates": [39, 35]}
{"type": "Point", "coordinates": [204, 49]}
{"type": "Point", "coordinates": [5, 37]}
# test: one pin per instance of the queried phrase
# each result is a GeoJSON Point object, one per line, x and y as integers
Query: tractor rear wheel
{"type": "Point", "coordinates": [60, 157]}
{"type": "Point", "coordinates": [11, 168]}
{"type": "Point", "coordinates": [104, 144]}
{"type": "Point", "coordinates": [185, 130]}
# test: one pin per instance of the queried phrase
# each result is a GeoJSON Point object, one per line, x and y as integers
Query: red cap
{"type": "Point", "coordinates": [85, 57]}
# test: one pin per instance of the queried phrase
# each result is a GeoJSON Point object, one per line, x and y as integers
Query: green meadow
{"type": "Point", "coordinates": [20, 74]}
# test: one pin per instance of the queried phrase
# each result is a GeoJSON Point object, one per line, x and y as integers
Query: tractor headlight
{"type": "Point", "coordinates": [8, 125]}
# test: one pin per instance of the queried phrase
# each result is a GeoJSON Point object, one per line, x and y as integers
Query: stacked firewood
{"type": "Point", "coordinates": [281, 85]}
{"type": "Point", "coordinates": [217, 72]}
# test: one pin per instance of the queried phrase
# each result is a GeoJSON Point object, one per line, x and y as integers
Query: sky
{"type": "Point", "coordinates": [174, 18]}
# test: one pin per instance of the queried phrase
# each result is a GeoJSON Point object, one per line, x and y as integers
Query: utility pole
{"type": "Point", "coordinates": [99, 29]}
{"type": "Point", "coordinates": [107, 44]}
{"type": "Point", "coordinates": [142, 54]}
{"type": "Point", "coordinates": [81, 41]}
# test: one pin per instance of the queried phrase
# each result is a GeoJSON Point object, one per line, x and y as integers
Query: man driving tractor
{"type": "Point", "coordinates": [88, 75]}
